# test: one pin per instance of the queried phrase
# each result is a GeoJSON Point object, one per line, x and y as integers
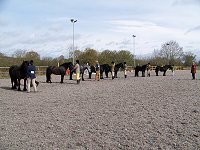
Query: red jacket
{"type": "Point", "coordinates": [193, 69]}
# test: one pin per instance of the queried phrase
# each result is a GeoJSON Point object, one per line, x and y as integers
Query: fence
{"type": "Point", "coordinates": [41, 70]}
{"type": "Point", "coordinates": [4, 71]}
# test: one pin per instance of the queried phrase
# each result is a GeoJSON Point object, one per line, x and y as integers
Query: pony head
{"type": "Point", "coordinates": [67, 65]}
{"type": "Point", "coordinates": [24, 65]}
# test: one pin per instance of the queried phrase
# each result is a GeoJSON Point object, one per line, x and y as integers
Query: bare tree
{"type": "Point", "coordinates": [19, 53]}
{"type": "Point", "coordinates": [2, 54]}
{"type": "Point", "coordinates": [171, 51]}
{"type": "Point", "coordinates": [188, 58]}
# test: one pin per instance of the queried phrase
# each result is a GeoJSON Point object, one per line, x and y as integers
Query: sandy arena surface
{"type": "Point", "coordinates": [136, 113]}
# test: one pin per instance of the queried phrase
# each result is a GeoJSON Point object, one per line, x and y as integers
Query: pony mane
{"type": "Point", "coordinates": [24, 63]}
{"type": "Point", "coordinates": [119, 65]}
{"type": "Point", "coordinates": [67, 65]}
{"type": "Point", "coordinates": [23, 66]}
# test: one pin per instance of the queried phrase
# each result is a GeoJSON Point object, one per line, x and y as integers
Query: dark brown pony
{"type": "Point", "coordinates": [117, 66]}
{"type": "Point", "coordinates": [61, 70]}
{"type": "Point", "coordinates": [163, 69]}
{"type": "Point", "coordinates": [104, 68]}
{"type": "Point", "coordinates": [140, 68]}
{"type": "Point", "coordinates": [17, 73]}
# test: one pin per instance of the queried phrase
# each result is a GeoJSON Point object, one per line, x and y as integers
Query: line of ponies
{"type": "Point", "coordinates": [158, 68]}
{"type": "Point", "coordinates": [18, 72]}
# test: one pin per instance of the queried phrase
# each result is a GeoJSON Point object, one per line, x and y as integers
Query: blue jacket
{"type": "Point", "coordinates": [97, 67]}
{"type": "Point", "coordinates": [31, 72]}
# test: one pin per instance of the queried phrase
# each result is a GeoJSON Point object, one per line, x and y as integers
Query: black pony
{"type": "Point", "coordinates": [92, 70]}
{"type": "Point", "coordinates": [82, 70]}
{"type": "Point", "coordinates": [17, 73]}
{"type": "Point", "coordinates": [104, 68]}
{"type": "Point", "coordinates": [117, 66]}
{"type": "Point", "coordinates": [61, 70]}
{"type": "Point", "coordinates": [140, 68]}
{"type": "Point", "coordinates": [163, 69]}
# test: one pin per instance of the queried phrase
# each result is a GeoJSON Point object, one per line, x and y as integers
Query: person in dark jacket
{"type": "Point", "coordinates": [193, 70]}
{"type": "Point", "coordinates": [31, 77]}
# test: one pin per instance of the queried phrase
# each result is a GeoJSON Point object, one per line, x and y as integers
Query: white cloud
{"type": "Point", "coordinates": [186, 2]}
{"type": "Point", "coordinates": [45, 26]}
{"type": "Point", "coordinates": [197, 29]}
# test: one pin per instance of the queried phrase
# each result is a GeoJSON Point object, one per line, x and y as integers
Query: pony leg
{"type": "Point", "coordinates": [136, 73]}
{"type": "Point", "coordinates": [90, 75]}
{"type": "Point", "coordinates": [156, 73]}
{"type": "Point", "coordinates": [13, 84]}
{"type": "Point", "coordinates": [83, 77]}
{"type": "Point", "coordinates": [164, 73]}
{"type": "Point", "coordinates": [115, 74]}
{"type": "Point", "coordinates": [62, 77]}
{"type": "Point", "coordinates": [25, 89]}
{"type": "Point", "coordinates": [48, 77]}
{"type": "Point", "coordinates": [70, 77]}
{"type": "Point", "coordinates": [101, 75]}
{"type": "Point", "coordinates": [143, 74]}
{"type": "Point", "coordinates": [106, 74]}
{"type": "Point", "coordinates": [19, 89]}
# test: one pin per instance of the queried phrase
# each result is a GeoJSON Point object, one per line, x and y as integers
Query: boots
{"type": "Point", "coordinates": [125, 76]}
{"type": "Point", "coordinates": [37, 83]}
{"type": "Point", "coordinates": [113, 77]}
{"type": "Point", "coordinates": [78, 81]}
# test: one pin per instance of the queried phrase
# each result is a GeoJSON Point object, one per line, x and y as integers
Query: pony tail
{"type": "Point", "coordinates": [48, 75]}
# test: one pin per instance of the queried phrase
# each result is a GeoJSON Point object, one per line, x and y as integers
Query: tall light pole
{"type": "Point", "coordinates": [134, 49]}
{"type": "Point", "coordinates": [73, 22]}
{"type": "Point", "coordinates": [169, 52]}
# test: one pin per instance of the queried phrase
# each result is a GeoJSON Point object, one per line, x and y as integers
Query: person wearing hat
{"type": "Point", "coordinates": [31, 77]}
{"type": "Point", "coordinates": [97, 67]}
{"type": "Point", "coordinates": [77, 70]}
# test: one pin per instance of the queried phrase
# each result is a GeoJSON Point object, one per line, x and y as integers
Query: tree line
{"type": "Point", "coordinates": [169, 53]}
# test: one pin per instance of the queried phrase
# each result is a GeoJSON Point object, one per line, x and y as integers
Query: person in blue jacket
{"type": "Point", "coordinates": [31, 77]}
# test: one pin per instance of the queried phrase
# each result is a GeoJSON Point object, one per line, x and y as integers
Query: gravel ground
{"type": "Point", "coordinates": [130, 114]}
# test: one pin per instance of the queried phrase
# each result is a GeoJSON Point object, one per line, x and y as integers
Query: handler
{"type": "Point", "coordinates": [193, 70]}
{"type": "Point", "coordinates": [148, 69]}
{"type": "Point", "coordinates": [113, 69]}
{"type": "Point", "coordinates": [31, 77]}
{"type": "Point", "coordinates": [77, 69]}
{"type": "Point", "coordinates": [97, 67]}
{"type": "Point", "coordinates": [125, 70]}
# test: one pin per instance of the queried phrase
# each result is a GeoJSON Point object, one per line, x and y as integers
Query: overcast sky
{"type": "Point", "coordinates": [44, 25]}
